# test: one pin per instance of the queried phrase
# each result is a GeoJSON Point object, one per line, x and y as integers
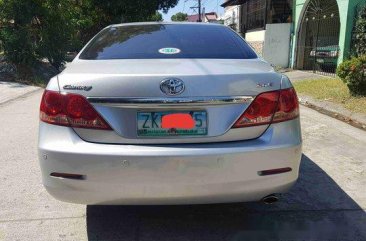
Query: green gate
{"type": "Point", "coordinates": [318, 46]}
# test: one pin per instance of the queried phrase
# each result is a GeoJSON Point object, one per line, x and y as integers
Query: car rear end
{"type": "Point", "coordinates": [111, 129]}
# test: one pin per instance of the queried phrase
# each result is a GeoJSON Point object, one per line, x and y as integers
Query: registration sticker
{"type": "Point", "coordinates": [169, 51]}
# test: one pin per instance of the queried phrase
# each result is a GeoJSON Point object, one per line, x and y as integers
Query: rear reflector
{"type": "Point", "coordinates": [68, 176]}
{"type": "Point", "coordinates": [70, 110]}
{"type": "Point", "coordinates": [275, 106]}
{"type": "Point", "coordinates": [274, 171]}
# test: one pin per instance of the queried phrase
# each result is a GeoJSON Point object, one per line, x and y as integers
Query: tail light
{"type": "Point", "coordinates": [70, 110]}
{"type": "Point", "coordinates": [270, 107]}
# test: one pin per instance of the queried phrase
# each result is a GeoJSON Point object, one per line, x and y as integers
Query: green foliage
{"type": "Point", "coordinates": [157, 17]}
{"type": "Point", "coordinates": [56, 31]}
{"type": "Point", "coordinates": [121, 11]}
{"type": "Point", "coordinates": [99, 14]}
{"type": "Point", "coordinates": [31, 30]}
{"type": "Point", "coordinates": [179, 17]}
{"type": "Point", "coordinates": [359, 32]}
{"type": "Point", "coordinates": [17, 33]}
{"type": "Point", "coordinates": [353, 73]}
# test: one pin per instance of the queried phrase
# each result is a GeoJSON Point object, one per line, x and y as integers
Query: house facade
{"type": "Point", "coordinates": [254, 15]}
{"type": "Point", "coordinates": [320, 35]}
{"type": "Point", "coordinates": [231, 17]}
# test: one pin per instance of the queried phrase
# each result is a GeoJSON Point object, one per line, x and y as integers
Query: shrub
{"type": "Point", "coordinates": [359, 33]}
{"type": "Point", "coordinates": [33, 30]}
{"type": "Point", "coordinates": [56, 32]}
{"type": "Point", "coordinates": [353, 73]}
{"type": "Point", "coordinates": [17, 33]}
{"type": "Point", "coordinates": [18, 45]}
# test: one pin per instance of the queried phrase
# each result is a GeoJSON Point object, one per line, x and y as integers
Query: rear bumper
{"type": "Point", "coordinates": [169, 174]}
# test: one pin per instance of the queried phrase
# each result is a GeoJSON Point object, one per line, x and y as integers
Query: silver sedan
{"type": "Point", "coordinates": [166, 113]}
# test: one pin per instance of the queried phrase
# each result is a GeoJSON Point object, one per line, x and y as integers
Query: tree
{"type": "Point", "coordinates": [157, 17]}
{"type": "Point", "coordinates": [179, 17]}
{"type": "Point", "coordinates": [104, 13]}
{"type": "Point", "coordinates": [35, 29]}
{"type": "Point", "coordinates": [56, 30]}
{"type": "Point", "coordinates": [17, 32]}
{"type": "Point", "coordinates": [359, 33]}
{"type": "Point", "coordinates": [120, 11]}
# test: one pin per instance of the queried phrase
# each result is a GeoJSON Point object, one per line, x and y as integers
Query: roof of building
{"type": "Point", "coordinates": [232, 3]}
{"type": "Point", "coordinates": [193, 18]}
{"type": "Point", "coordinates": [211, 16]}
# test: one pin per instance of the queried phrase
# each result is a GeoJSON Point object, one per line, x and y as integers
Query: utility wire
{"type": "Point", "coordinates": [184, 5]}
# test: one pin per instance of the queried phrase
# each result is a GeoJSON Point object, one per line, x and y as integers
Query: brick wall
{"type": "Point", "coordinates": [257, 46]}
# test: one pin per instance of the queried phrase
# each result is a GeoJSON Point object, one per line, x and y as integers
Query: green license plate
{"type": "Point", "coordinates": [150, 124]}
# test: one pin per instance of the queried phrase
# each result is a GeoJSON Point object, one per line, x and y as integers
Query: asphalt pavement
{"type": "Point", "coordinates": [327, 203]}
{"type": "Point", "coordinates": [12, 90]}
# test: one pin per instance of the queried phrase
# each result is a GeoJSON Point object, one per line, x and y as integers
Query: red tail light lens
{"type": "Point", "coordinates": [70, 110]}
{"type": "Point", "coordinates": [268, 107]}
{"type": "Point", "coordinates": [288, 106]}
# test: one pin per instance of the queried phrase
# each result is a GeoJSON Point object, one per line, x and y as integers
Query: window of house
{"type": "Point", "coordinates": [256, 14]}
{"type": "Point", "coordinates": [280, 11]}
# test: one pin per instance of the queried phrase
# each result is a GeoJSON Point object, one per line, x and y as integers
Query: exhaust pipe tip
{"type": "Point", "coordinates": [270, 199]}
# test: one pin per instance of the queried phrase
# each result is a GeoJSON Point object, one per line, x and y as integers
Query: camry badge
{"type": "Point", "coordinates": [77, 87]}
{"type": "Point", "coordinates": [264, 85]}
{"type": "Point", "coordinates": [172, 86]}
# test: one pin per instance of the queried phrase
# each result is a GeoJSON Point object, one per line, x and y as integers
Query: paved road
{"type": "Point", "coordinates": [328, 202]}
{"type": "Point", "coordinates": [11, 90]}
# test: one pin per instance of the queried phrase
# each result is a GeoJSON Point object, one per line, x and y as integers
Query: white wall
{"type": "Point", "coordinates": [255, 36]}
{"type": "Point", "coordinates": [276, 49]}
{"type": "Point", "coordinates": [231, 16]}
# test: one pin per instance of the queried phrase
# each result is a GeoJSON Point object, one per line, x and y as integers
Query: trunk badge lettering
{"type": "Point", "coordinates": [264, 85]}
{"type": "Point", "coordinates": [77, 87]}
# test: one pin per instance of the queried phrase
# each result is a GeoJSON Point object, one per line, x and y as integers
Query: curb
{"type": "Point", "coordinates": [335, 111]}
{"type": "Point", "coordinates": [20, 96]}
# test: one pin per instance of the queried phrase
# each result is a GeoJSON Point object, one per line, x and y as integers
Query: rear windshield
{"type": "Point", "coordinates": [160, 41]}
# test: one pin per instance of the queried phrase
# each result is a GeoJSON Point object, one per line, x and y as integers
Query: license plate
{"type": "Point", "coordinates": [320, 60]}
{"type": "Point", "coordinates": [150, 124]}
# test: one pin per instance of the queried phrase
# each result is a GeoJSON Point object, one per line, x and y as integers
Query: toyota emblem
{"type": "Point", "coordinates": [172, 86]}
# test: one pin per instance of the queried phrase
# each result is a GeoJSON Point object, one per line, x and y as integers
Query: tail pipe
{"type": "Point", "coordinates": [270, 199]}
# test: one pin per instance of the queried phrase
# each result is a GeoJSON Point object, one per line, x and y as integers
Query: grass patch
{"type": "Point", "coordinates": [333, 90]}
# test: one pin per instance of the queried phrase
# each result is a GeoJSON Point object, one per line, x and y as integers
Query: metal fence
{"type": "Point", "coordinates": [318, 48]}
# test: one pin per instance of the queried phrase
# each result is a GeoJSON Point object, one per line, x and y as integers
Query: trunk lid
{"type": "Point", "coordinates": [122, 88]}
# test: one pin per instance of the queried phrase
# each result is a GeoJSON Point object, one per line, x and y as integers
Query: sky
{"type": "Point", "coordinates": [184, 6]}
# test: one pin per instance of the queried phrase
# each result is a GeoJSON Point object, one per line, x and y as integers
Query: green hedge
{"type": "Point", "coordinates": [359, 33]}
{"type": "Point", "coordinates": [353, 73]}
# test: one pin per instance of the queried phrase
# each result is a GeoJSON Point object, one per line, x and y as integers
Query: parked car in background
{"type": "Point", "coordinates": [168, 113]}
{"type": "Point", "coordinates": [326, 57]}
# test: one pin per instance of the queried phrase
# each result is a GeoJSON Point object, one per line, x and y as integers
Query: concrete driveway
{"type": "Point", "coordinates": [327, 203]}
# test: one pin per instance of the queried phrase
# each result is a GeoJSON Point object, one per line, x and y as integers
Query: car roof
{"type": "Point", "coordinates": [165, 23]}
